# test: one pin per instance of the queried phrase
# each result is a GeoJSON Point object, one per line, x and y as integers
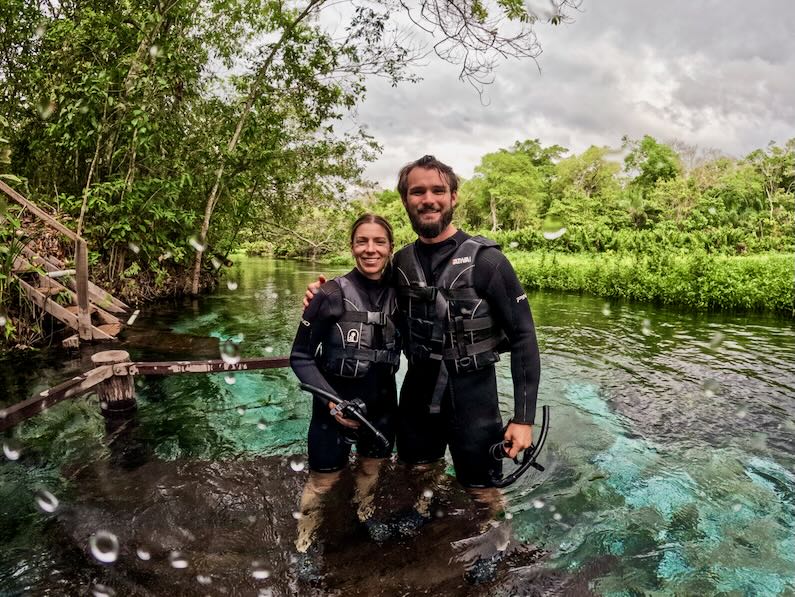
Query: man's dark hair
{"type": "Point", "coordinates": [427, 162]}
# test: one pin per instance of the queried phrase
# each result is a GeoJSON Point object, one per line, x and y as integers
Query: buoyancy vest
{"type": "Point", "coordinates": [446, 319]}
{"type": "Point", "coordinates": [360, 336]}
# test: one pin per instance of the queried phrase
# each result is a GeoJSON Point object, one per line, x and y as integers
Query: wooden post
{"type": "Point", "coordinates": [117, 393]}
{"type": "Point", "coordinates": [83, 313]}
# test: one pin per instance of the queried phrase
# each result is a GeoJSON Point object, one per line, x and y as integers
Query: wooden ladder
{"type": "Point", "coordinates": [67, 295]}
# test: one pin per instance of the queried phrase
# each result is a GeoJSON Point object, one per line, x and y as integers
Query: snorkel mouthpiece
{"type": "Point", "coordinates": [498, 452]}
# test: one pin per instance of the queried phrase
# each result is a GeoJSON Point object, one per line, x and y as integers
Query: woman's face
{"type": "Point", "coordinates": [371, 249]}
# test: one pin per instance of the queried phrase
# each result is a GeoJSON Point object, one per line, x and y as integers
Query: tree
{"type": "Point", "coordinates": [649, 161]}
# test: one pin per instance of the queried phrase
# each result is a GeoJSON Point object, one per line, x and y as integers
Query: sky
{"type": "Point", "coordinates": [716, 74]}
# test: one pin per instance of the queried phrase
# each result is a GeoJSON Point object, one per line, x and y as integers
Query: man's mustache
{"type": "Point", "coordinates": [423, 210]}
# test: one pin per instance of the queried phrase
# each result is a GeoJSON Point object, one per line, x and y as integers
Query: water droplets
{"type": "Point", "coordinates": [538, 504]}
{"type": "Point", "coordinates": [241, 410]}
{"type": "Point", "coordinates": [133, 317]}
{"type": "Point", "coordinates": [712, 211]}
{"type": "Point", "coordinates": [552, 228]}
{"type": "Point", "coordinates": [198, 247]}
{"type": "Point", "coordinates": [203, 579]}
{"type": "Point", "coordinates": [741, 413]}
{"type": "Point", "coordinates": [46, 501]}
{"type": "Point", "coordinates": [47, 110]}
{"type": "Point", "coordinates": [557, 516]}
{"type": "Point", "coordinates": [12, 449]}
{"type": "Point", "coordinates": [230, 379]}
{"type": "Point", "coordinates": [134, 248]}
{"type": "Point", "coordinates": [513, 244]}
{"type": "Point", "coordinates": [216, 263]}
{"type": "Point", "coordinates": [262, 424]}
{"type": "Point", "coordinates": [297, 465]}
{"type": "Point", "coordinates": [297, 515]}
{"type": "Point", "coordinates": [269, 349]}
{"type": "Point", "coordinates": [710, 387]}
{"type": "Point", "coordinates": [155, 51]}
{"type": "Point", "coordinates": [231, 285]}
{"type": "Point", "coordinates": [428, 493]}
{"type": "Point", "coordinates": [104, 546]}
{"type": "Point", "coordinates": [143, 553]}
{"type": "Point", "coordinates": [737, 507]}
{"type": "Point", "coordinates": [606, 310]}
{"type": "Point", "coordinates": [177, 560]}
{"type": "Point", "coordinates": [645, 328]}
{"type": "Point", "coordinates": [508, 516]}
{"type": "Point", "coordinates": [100, 590]}
{"type": "Point", "coordinates": [716, 340]}
{"type": "Point", "coordinates": [3, 320]}
{"type": "Point", "coordinates": [41, 29]}
{"type": "Point", "coordinates": [259, 571]}
{"type": "Point", "coordinates": [230, 352]}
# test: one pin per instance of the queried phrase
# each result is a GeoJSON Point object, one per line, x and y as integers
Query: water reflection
{"type": "Point", "coordinates": [669, 466]}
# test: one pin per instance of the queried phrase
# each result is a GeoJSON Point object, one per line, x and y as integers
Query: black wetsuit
{"type": "Point", "coordinates": [470, 421]}
{"type": "Point", "coordinates": [327, 449]}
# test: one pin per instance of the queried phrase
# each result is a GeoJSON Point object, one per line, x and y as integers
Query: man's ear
{"type": "Point", "coordinates": [454, 198]}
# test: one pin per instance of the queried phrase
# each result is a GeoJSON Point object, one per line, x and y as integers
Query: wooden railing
{"type": "Point", "coordinates": [81, 259]}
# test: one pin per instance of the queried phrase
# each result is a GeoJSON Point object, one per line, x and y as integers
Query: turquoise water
{"type": "Point", "coordinates": [669, 460]}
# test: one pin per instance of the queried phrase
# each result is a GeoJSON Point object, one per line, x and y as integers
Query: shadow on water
{"type": "Point", "coordinates": [669, 464]}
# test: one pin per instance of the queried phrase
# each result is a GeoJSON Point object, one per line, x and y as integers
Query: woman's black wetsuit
{"type": "Point", "coordinates": [328, 450]}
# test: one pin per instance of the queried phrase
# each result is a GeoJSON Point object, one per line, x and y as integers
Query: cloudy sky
{"type": "Point", "coordinates": [717, 74]}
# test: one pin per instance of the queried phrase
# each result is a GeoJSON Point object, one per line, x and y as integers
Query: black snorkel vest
{"type": "Point", "coordinates": [360, 337]}
{"type": "Point", "coordinates": [446, 319]}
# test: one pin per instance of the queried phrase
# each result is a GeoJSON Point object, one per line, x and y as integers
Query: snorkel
{"type": "Point", "coordinates": [350, 409]}
{"type": "Point", "coordinates": [498, 452]}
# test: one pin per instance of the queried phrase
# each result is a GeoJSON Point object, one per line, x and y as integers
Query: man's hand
{"type": "Point", "coordinates": [342, 420]}
{"type": "Point", "coordinates": [313, 289]}
{"type": "Point", "coordinates": [520, 437]}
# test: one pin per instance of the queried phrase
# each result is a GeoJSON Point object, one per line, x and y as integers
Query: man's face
{"type": "Point", "coordinates": [429, 202]}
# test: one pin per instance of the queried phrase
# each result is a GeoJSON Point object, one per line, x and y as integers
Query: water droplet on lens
{"type": "Point", "coordinates": [606, 309]}
{"type": "Point", "coordinates": [241, 410]}
{"type": "Point", "coordinates": [3, 321]}
{"type": "Point", "coordinates": [716, 340]}
{"type": "Point", "coordinates": [552, 508]}
{"type": "Point", "coordinates": [230, 379]}
{"type": "Point", "coordinates": [645, 327]}
{"type": "Point", "coordinates": [216, 262]}
{"type": "Point", "coordinates": [40, 31]}
{"type": "Point", "coordinates": [231, 285]}
{"type": "Point", "coordinates": [134, 248]}
{"type": "Point", "coordinates": [143, 553]}
{"type": "Point", "coordinates": [710, 387]}
{"type": "Point", "coordinates": [154, 51]}
{"type": "Point", "coordinates": [552, 228]}
{"type": "Point", "coordinates": [259, 571]}
{"type": "Point", "coordinates": [12, 449]}
{"type": "Point", "coordinates": [46, 501]}
{"type": "Point", "coordinates": [177, 560]}
{"type": "Point", "coordinates": [427, 493]}
{"type": "Point", "coordinates": [297, 515]}
{"type": "Point", "coordinates": [712, 210]}
{"type": "Point", "coordinates": [274, 295]}
{"type": "Point", "coordinates": [741, 414]}
{"type": "Point", "coordinates": [100, 590]}
{"type": "Point", "coordinates": [537, 504]}
{"type": "Point", "coordinates": [297, 465]}
{"type": "Point", "coordinates": [508, 516]}
{"type": "Point", "coordinates": [203, 580]}
{"type": "Point", "coordinates": [196, 244]}
{"type": "Point", "coordinates": [736, 507]}
{"type": "Point", "coordinates": [47, 110]}
{"type": "Point", "coordinates": [439, 513]}
{"type": "Point", "coordinates": [262, 424]}
{"type": "Point", "coordinates": [513, 244]}
{"type": "Point", "coordinates": [269, 349]}
{"type": "Point", "coordinates": [230, 352]}
{"type": "Point", "coordinates": [104, 546]}
{"type": "Point", "coordinates": [557, 516]}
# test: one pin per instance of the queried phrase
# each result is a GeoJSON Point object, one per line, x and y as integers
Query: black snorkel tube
{"type": "Point", "coordinates": [498, 451]}
{"type": "Point", "coordinates": [350, 409]}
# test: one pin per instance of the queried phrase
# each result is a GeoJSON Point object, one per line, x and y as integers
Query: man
{"type": "Point", "coordinates": [461, 302]}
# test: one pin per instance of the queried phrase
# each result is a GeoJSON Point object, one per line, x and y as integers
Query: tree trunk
{"type": "Point", "coordinates": [253, 95]}
{"type": "Point", "coordinates": [493, 207]}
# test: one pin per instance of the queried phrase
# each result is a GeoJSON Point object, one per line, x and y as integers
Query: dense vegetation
{"type": "Point", "coordinates": [161, 129]}
{"type": "Point", "coordinates": [647, 221]}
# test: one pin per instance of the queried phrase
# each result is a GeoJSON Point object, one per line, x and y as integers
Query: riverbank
{"type": "Point", "coordinates": [695, 280]}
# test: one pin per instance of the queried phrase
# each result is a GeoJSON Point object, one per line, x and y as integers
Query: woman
{"type": "Point", "coordinates": [347, 345]}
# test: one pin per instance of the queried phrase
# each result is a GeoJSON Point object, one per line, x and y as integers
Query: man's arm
{"type": "Point", "coordinates": [313, 289]}
{"type": "Point", "coordinates": [496, 279]}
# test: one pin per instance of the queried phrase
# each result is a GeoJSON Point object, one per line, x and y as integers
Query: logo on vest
{"type": "Point", "coordinates": [460, 260]}
{"type": "Point", "coordinates": [353, 337]}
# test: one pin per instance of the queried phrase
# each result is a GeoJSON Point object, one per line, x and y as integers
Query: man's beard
{"type": "Point", "coordinates": [431, 229]}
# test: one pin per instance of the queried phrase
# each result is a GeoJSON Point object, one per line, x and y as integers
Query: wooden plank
{"type": "Point", "coordinates": [209, 366]}
{"type": "Point", "coordinates": [83, 315]}
{"type": "Point", "coordinates": [11, 415]}
{"type": "Point", "coordinates": [38, 212]}
{"type": "Point", "coordinates": [49, 305]}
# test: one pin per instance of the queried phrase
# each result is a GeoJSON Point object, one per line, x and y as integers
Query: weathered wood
{"type": "Point", "coordinates": [16, 413]}
{"type": "Point", "coordinates": [38, 212]}
{"type": "Point", "coordinates": [116, 393]}
{"type": "Point", "coordinates": [112, 364]}
{"type": "Point", "coordinates": [83, 315]}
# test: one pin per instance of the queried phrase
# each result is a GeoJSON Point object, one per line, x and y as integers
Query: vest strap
{"type": "Point", "coordinates": [369, 317]}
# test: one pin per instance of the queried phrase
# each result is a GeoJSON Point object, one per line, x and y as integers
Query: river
{"type": "Point", "coordinates": [669, 464]}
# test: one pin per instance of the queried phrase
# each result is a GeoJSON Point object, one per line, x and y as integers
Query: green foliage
{"type": "Point", "coordinates": [650, 162]}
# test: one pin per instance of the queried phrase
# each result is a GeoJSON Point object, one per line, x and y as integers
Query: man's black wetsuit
{"type": "Point", "coordinates": [469, 421]}
{"type": "Point", "coordinates": [327, 449]}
